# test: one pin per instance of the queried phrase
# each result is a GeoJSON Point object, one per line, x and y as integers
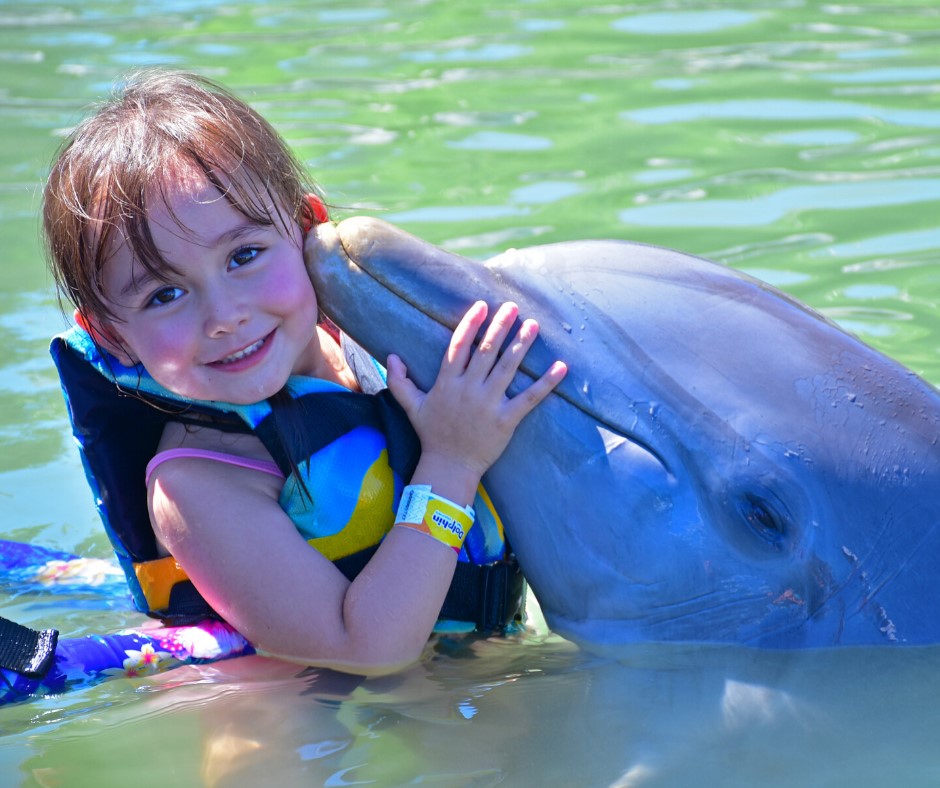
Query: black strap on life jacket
{"type": "Point", "coordinates": [491, 596]}
{"type": "Point", "coordinates": [302, 426]}
{"type": "Point", "coordinates": [26, 651]}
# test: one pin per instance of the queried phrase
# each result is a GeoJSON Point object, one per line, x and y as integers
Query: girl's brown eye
{"type": "Point", "coordinates": [166, 295]}
{"type": "Point", "coordinates": [245, 255]}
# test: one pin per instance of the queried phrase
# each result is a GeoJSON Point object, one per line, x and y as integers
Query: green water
{"type": "Point", "coordinates": [799, 141]}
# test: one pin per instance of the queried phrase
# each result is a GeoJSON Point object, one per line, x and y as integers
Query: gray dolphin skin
{"type": "Point", "coordinates": [721, 464]}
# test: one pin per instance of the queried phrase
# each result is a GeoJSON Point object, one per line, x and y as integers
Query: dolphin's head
{"type": "Point", "coordinates": [720, 464]}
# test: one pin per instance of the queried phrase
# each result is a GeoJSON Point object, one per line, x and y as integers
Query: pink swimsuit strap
{"type": "Point", "coordinates": [265, 466]}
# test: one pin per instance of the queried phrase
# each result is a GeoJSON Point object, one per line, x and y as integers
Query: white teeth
{"type": "Point", "coordinates": [242, 353]}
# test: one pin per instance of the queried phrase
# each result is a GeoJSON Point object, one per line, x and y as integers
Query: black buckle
{"type": "Point", "coordinates": [26, 651]}
{"type": "Point", "coordinates": [490, 596]}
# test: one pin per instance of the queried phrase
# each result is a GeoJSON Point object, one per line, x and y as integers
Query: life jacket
{"type": "Point", "coordinates": [344, 470]}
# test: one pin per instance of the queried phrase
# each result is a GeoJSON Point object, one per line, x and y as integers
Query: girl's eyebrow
{"type": "Point", "coordinates": [234, 233]}
{"type": "Point", "coordinates": [136, 283]}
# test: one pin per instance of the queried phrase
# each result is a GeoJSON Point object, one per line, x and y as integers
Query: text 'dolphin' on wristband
{"type": "Point", "coordinates": [437, 517]}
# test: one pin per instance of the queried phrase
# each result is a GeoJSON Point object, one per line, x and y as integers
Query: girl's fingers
{"type": "Point", "coordinates": [405, 392]}
{"type": "Point", "coordinates": [523, 403]}
{"type": "Point", "coordinates": [508, 364]}
{"type": "Point", "coordinates": [487, 353]}
{"type": "Point", "coordinates": [466, 414]}
{"type": "Point", "coordinates": [491, 370]}
{"type": "Point", "coordinates": [461, 342]}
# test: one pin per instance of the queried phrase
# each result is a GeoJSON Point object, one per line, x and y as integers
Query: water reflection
{"type": "Point", "coordinates": [486, 716]}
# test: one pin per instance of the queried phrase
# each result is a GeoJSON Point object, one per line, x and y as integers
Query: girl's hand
{"type": "Point", "coordinates": [466, 420]}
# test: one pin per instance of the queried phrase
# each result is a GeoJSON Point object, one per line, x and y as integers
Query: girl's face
{"type": "Point", "coordinates": [237, 320]}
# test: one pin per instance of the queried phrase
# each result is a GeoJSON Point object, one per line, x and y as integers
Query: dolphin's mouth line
{"type": "Point", "coordinates": [869, 603]}
{"type": "Point", "coordinates": [523, 367]}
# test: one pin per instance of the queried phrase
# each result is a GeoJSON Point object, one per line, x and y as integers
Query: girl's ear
{"type": "Point", "coordinates": [104, 337]}
{"type": "Point", "coordinates": [317, 210]}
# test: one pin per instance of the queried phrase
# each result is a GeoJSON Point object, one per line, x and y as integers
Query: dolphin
{"type": "Point", "coordinates": [721, 464]}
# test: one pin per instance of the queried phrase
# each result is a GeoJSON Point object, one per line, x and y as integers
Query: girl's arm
{"type": "Point", "coordinates": [225, 528]}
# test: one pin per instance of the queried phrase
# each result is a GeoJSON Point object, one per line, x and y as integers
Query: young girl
{"type": "Point", "coordinates": [175, 219]}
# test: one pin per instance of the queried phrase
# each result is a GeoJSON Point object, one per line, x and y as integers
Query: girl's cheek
{"type": "Point", "coordinates": [292, 290]}
{"type": "Point", "coordinates": [169, 340]}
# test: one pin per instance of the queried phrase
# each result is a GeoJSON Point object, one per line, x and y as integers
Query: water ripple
{"type": "Point", "coordinates": [781, 109]}
{"type": "Point", "coordinates": [501, 141]}
{"type": "Point", "coordinates": [487, 52]}
{"type": "Point", "coordinates": [890, 243]}
{"type": "Point", "coordinates": [770, 208]}
{"type": "Point", "coordinates": [909, 74]}
{"type": "Point", "coordinates": [681, 22]}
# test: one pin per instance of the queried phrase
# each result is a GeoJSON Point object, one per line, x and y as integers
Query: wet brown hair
{"type": "Point", "coordinates": [157, 124]}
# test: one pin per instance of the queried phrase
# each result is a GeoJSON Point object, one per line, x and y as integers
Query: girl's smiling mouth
{"type": "Point", "coordinates": [245, 357]}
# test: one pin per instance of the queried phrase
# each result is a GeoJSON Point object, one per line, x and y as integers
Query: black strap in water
{"type": "Point", "coordinates": [26, 651]}
{"type": "Point", "coordinates": [491, 596]}
{"type": "Point", "coordinates": [186, 607]}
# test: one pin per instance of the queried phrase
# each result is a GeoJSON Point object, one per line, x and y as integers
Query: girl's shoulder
{"type": "Point", "coordinates": [177, 435]}
{"type": "Point", "coordinates": [220, 454]}
{"type": "Point", "coordinates": [195, 468]}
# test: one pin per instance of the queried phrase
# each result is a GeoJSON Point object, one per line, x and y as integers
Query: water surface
{"type": "Point", "coordinates": [798, 141]}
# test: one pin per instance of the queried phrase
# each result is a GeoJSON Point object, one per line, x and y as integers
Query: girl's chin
{"type": "Point", "coordinates": [246, 394]}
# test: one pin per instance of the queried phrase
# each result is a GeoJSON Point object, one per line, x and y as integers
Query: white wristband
{"type": "Point", "coordinates": [435, 516]}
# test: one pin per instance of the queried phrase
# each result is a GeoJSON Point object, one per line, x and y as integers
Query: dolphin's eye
{"type": "Point", "coordinates": [764, 520]}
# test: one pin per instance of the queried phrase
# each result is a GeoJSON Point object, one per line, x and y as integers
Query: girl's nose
{"type": "Point", "coordinates": [225, 311]}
